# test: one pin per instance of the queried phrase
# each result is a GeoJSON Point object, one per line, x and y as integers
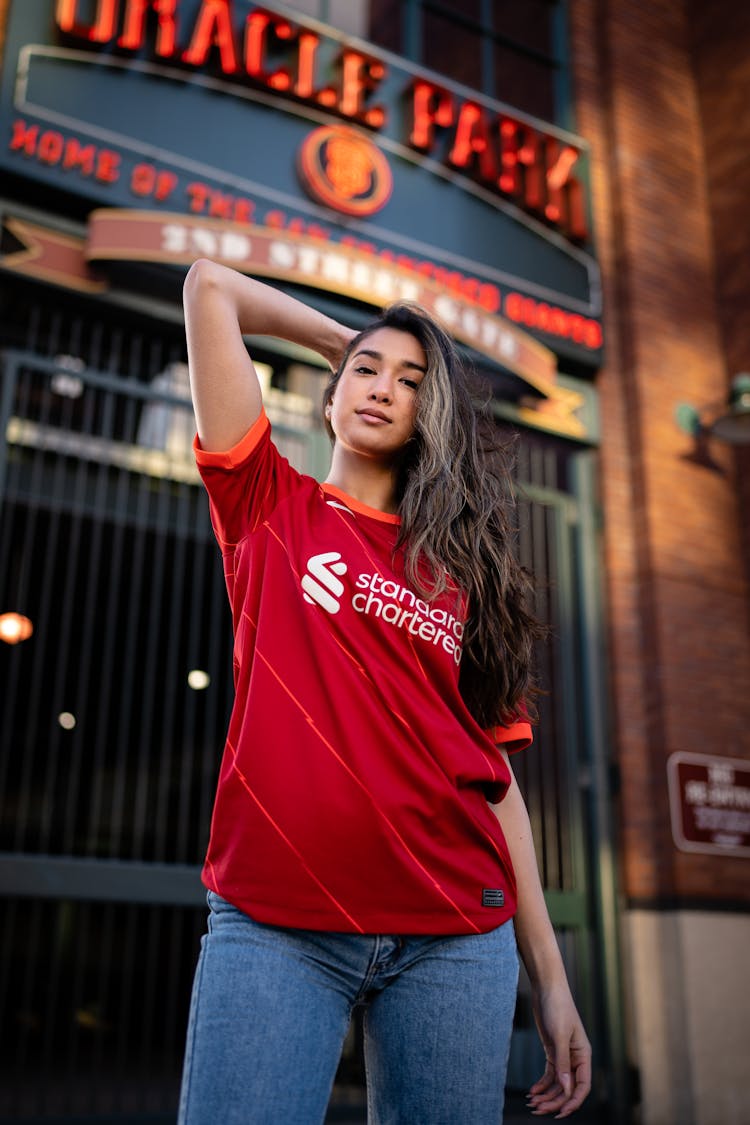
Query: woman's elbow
{"type": "Point", "coordinates": [203, 276]}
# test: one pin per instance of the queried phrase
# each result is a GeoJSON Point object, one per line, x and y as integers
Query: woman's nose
{"type": "Point", "coordinates": [382, 388]}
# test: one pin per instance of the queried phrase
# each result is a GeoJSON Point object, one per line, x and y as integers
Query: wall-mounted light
{"type": "Point", "coordinates": [728, 421]}
{"type": "Point", "coordinates": [14, 628]}
{"type": "Point", "coordinates": [198, 679]}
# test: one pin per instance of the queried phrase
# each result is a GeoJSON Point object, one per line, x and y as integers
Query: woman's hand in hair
{"type": "Point", "coordinates": [334, 355]}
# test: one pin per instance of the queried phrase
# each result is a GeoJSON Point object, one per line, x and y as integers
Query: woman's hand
{"type": "Point", "coordinates": [567, 1076]}
{"type": "Point", "coordinates": [334, 354]}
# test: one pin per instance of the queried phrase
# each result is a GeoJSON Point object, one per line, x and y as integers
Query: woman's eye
{"type": "Point", "coordinates": [411, 383]}
{"type": "Point", "coordinates": [364, 370]}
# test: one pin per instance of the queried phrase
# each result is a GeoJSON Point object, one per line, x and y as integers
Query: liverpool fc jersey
{"type": "Point", "coordinates": [354, 784]}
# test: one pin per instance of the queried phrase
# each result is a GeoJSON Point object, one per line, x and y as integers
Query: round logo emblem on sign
{"type": "Point", "coordinates": [344, 169]}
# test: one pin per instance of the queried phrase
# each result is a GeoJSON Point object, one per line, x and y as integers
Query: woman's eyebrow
{"type": "Point", "coordinates": [378, 355]}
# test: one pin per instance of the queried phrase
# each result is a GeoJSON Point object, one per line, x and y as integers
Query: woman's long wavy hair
{"type": "Point", "coordinates": [455, 500]}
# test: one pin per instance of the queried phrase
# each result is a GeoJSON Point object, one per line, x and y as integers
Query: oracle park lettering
{"type": "Point", "coordinates": [512, 159]}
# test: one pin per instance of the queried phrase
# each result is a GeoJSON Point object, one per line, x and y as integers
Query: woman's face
{"type": "Point", "coordinates": [374, 403]}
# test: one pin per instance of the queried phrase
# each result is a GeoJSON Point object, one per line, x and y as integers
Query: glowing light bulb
{"type": "Point", "coordinates": [198, 679]}
{"type": "Point", "coordinates": [14, 628]}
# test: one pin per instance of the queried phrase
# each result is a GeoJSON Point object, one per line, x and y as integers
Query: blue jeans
{"type": "Point", "coordinates": [271, 1008]}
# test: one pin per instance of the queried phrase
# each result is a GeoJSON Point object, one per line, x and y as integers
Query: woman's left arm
{"type": "Point", "coordinates": [567, 1075]}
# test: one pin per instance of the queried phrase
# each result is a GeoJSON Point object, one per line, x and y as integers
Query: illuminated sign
{"type": "Point", "coordinates": [153, 236]}
{"type": "Point", "coordinates": [510, 157]}
{"type": "Point", "coordinates": [342, 168]}
{"type": "Point", "coordinates": [294, 127]}
{"type": "Point", "coordinates": [241, 51]}
{"type": "Point", "coordinates": [52, 148]}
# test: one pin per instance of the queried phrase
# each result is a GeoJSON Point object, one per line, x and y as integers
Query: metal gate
{"type": "Point", "coordinates": [110, 744]}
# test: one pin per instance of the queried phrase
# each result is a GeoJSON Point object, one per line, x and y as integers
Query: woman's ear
{"type": "Point", "coordinates": [328, 408]}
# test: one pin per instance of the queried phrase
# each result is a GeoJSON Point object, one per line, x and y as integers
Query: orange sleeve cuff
{"type": "Point", "coordinates": [517, 736]}
{"type": "Point", "coordinates": [239, 452]}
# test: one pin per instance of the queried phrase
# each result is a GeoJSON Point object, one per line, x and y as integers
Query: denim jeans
{"type": "Point", "coordinates": [271, 1008]}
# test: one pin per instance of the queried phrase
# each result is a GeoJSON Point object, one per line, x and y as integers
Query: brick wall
{"type": "Point", "coordinates": [677, 587]}
{"type": "Point", "coordinates": [720, 36]}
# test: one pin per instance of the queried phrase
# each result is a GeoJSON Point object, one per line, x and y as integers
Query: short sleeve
{"type": "Point", "coordinates": [516, 735]}
{"type": "Point", "coordinates": [245, 483]}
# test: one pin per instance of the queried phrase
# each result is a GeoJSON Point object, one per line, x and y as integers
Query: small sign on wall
{"type": "Point", "coordinates": [709, 801]}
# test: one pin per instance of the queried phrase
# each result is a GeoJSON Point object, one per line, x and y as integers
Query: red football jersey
{"type": "Point", "coordinates": [353, 789]}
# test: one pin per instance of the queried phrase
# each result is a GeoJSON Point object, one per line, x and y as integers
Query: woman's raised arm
{"type": "Point", "coordinates": [221, 306]}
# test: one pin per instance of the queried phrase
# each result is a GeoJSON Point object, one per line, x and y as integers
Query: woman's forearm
{"type": "Point", "coordinates": [537, 944]}
{"type": "Point", "coordinates": [260, 309]}
{"type": "Point", "coordinates": [567, 1075]}
{"type": "Point", "coordinates": [221, 306]}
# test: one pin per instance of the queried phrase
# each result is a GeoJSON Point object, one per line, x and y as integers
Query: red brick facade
{"type": "Point", "coordinates": [662, 90]}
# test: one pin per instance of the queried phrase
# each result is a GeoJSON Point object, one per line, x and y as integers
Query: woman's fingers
{"type": "Point", "coordinates": [559, 1091]}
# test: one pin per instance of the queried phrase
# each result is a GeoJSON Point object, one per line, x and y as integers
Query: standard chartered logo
{"type": "Point", "coordinates": [388, 601]}
{"type": "Point", "coordinates": [401, 608]}
{"type": "Point", "coordinates": [320, 583]}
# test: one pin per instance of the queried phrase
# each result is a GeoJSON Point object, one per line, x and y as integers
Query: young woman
{"type": "Point", "coordinates": [369, 845]}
